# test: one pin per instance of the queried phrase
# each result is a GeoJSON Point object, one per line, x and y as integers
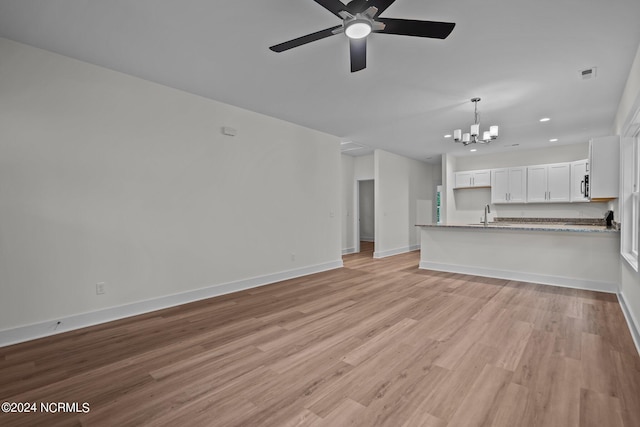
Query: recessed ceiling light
{"type": "Point", "coordinates": [447, 136]}
{"type": "Point", "coordinates": [473, 150]}
{"type": "Point", "coordinates": [545, 119]}
{"type": "Point", "coordinates": [553, 140]}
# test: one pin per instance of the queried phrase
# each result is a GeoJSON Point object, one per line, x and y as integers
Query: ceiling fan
{"type": "Point", "coordinates": [361, 17]}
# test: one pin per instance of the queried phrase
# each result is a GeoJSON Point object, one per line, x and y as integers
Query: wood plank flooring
{"type": "Point", "coordinates": [377, 343]}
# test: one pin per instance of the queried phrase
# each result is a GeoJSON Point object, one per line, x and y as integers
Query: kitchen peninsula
{"type": "Point", "coordinates": [571, 255]}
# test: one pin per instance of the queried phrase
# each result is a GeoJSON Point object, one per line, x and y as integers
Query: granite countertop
{"type": "Point", "coordinates": [579, 225]}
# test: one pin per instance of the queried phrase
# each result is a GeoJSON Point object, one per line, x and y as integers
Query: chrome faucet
{"type": "Point", "coordinates": [487, 211]}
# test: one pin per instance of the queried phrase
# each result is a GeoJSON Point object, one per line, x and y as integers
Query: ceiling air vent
{"type": "Point", "coordinates": [589, 73]}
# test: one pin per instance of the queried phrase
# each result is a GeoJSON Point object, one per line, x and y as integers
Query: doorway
{"type": "Point", "coordinates": [365, 228]}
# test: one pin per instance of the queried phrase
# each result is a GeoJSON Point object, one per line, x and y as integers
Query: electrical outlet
{"type": "Point", "coordinates": [100, 288]}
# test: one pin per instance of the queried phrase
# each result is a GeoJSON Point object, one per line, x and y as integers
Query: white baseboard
{"type": "Point", "coordinates": [566, 282]}
{"type": "Point", "coordinates": [634, 326]}
{"type": "Point", "coordinates": [397, 251]}
{"type": "Point", "coordinates": [348, 251]}
{"type": "Point", "coordinates": [77, 321]}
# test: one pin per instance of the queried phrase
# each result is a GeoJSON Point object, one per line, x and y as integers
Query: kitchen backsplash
{"type": "Point", "coordinates": [572, 221]}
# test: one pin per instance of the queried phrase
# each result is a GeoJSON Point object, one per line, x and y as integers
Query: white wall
{"type": "Point", "coordinates": [448, 202]}
{"type": "Point", "coordinates": [630, 99]}
{"type": "Point", "coordinates": [551, 154]}
{"type": "Point", "coordinates": [467, 205]}
{"type": "Point", "coordinates": [348, 194]}
{"type": "Point", "coordinates": [400, 182]}
{"type": "Point", "coordinates": [363, 168]}
{"type": "Point", "coordinates": [109, 178]}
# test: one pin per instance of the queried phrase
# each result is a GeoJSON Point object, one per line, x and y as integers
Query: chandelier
{"type": "Point", "coordinates": [474, 136]}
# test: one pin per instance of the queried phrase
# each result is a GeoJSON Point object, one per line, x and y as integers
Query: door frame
{"type": "Point", "coordinates": [356, 210]}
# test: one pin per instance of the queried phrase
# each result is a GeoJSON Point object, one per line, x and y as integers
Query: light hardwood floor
{"type": "Point", "coordinates": [378, 342]}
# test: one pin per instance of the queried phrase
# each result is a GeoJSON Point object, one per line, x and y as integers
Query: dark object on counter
{"type": "Point", "coordinates": [608, 216]}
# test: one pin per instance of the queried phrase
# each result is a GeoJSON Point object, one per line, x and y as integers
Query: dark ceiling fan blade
{"type": "Point", "coordinates": [333, 6]}
{"type": "Point", "coordinates": [358, 53]}
{"type": "Point", "coordinates": [357, 6]}
{"type": "Point", "coordinates": [410, 27]}
{"type": "Point", "coordinates": [304, 39]}
{"type": "Point", "coordinates": [382, 5]}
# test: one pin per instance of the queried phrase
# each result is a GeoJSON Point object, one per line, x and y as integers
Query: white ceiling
{"type": "Point", "coordinates": [523, 58]}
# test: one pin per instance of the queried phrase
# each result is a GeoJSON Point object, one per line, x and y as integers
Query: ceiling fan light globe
{"type": "Point", "coordinates": [493, 131]}
{"type": "Point", "coordinates": [358, 29]}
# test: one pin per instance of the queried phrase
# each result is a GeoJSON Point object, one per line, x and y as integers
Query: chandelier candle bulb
{"type": "Point", "coordinates": [493, 131]}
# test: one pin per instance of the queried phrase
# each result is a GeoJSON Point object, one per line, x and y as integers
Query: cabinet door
{"type": "Point", "coordinates": [463, 179]}
{"type": "Point", "coordinates": [537, 183]}
{"type": "Point", "coordinates": [604, 154]}
{"type": "Point", "coordinates": [559, 182]}
{"type": "Point", "coordinates": [482, 178]}
{"type": "Point", "coordinates": [517, 185]}
{"type": "Point", "coordinates": [499, 185]}
{"type": "Point", "coordinates": [578, 171]}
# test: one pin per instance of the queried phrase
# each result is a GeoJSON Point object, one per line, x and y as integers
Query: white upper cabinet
{"type": "Point", "coordinates": [604, 168]}
{"type": "Point", "coordinates": [559, 182]}
{"type": "Point", "coordinates": [537, 184]}
{"type": "Point", "coordinates": [578, 182]}
{"type": "Point", "coordinates": [482, 178]}
{"type": "Point", "coordinates": [549, 183]}
{"type": "Point", "coordinates": [463, 180]}
{"type": "Point", "coordinates": [518, 185]}
{"type": "Point", "coordinates": [586, 180]}
{"type": "Point", "coordinates": [471, 179]}
{"type": "Point", "coordinates": [508, 185]}
{"type": "Point", "coordinates": [500, 186]}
